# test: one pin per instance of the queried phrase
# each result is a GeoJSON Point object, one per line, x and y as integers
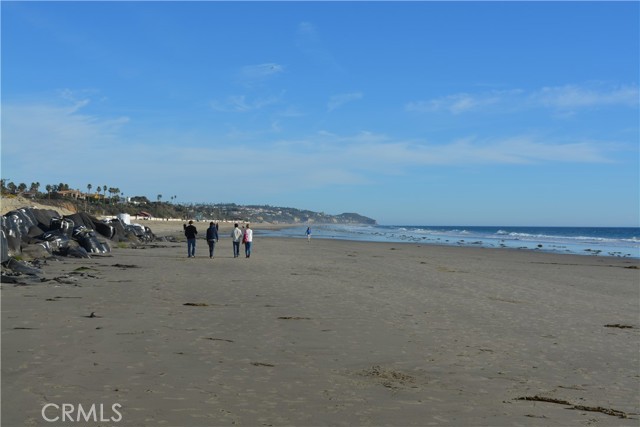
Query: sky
{"type": "Point", "coordinates": [415, 113]}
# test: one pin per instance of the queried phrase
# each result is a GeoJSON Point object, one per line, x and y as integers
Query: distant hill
{"type": "Point", "coordinates": [275, 214]}
{"type": "Point", "coordinates": [222, 211]}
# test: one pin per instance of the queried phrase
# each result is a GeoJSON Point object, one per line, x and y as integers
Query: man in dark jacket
{"type": "Point", "coordinates": [190, 233]}
{"type": "Point", "coordinates": [212, 237]}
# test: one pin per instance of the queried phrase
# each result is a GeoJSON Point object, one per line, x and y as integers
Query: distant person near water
{"type": "Point", "coordinates": [190, 233]}
{"type": "Point", "coordinates": [236, 235]}
{"type": "Point", "coordinates": [308, 234]}
{"type": "Point", "coordinates": [248, 241]}
{"type": "Point", "coordinates": [212, 238]}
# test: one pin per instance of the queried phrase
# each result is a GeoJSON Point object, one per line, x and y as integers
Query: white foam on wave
{"type": "Point", "coordinates": [578, 243]}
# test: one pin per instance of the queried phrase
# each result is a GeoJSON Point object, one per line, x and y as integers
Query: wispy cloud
{"type": "Point", "coordinates": [309, 41]}
{"type": "Point", "coordinates": [260, 72]}
{"type": "Point", "coordinates": [65, 141]}
{"type": "Point", "coordinates": [251, 77]}
{"type": "Point", "coordinates": [461, 102]}
{"type": "Point", "coordinates": [59, 140]}
{"type": "Point", "coordinates": [337, 101]}
{"type": "Point", "coordinates": [56, 127]}
{"type": "Point", "coordinates": [242, 104]}
{"type": "Point", "coordinates": [557, 98]}
{"type": "Point", "coordinates": [573, 97]}
{"type": "Point", "coordinates": [380, 151]}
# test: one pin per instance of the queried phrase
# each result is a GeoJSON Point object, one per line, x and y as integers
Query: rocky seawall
{"type": "Point", "coordinates": [30, 235]}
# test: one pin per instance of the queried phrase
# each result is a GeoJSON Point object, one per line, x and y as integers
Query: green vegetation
{"type": "Point", "coordinates": [98, 203]}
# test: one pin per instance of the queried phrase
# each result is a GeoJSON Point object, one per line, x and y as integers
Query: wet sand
{"type": "Point", "coordinates": [325, 333]}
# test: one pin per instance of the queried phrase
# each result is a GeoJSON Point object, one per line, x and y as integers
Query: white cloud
{"type": "Point", "coordinates": [461, 102]}
{"type": "Point", "coordinates": [307, 29]}
{"type": "Point", "coordinates": [573, 96]}
{"type": "Point", "coordinates": [324, 160]}
{"type": "Point", "coordinates": [309, 42]}
{"type": "Point", "coordinates": [46, 127]}
{"type": "Point", "coordinates": [259, 72]}
{"type": "Point", "coordinates": [519, 150]}
{"type": "Point", "coordinates": [337, 101]}
{"type": "Point", "coordinates": [471, 151]}
{"type": "Point", "coordinates": [241, 104]}
{"type": "Point", "coordinates": [568, 97]}
{"type": "Point", "coordinates": [62, 141]}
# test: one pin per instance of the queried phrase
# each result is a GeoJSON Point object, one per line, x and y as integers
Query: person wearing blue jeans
{"type": "Point", "coordinates": [236, 235]}
{"type": "Point", "coordinates": [248, 241]}
{"type": "Point", "coordinates": [190, 233]}
{"type": "Point", "coordinates": [212, 237]}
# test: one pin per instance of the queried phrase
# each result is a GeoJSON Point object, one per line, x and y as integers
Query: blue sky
{"type": "Point", "coordinates": [442, 113]}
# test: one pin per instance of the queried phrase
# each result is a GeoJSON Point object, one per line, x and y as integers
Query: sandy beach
{"type": "Point", "coordinates": [323, 333]}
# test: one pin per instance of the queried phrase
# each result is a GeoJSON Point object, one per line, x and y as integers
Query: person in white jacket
{"type": "Point", "coordinates": [248, 240]}
{"type": "Point", "coordinates": [236, 235]}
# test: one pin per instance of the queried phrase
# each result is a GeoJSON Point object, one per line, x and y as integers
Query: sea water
{"type": "Point", "coordinates": [595, 241]}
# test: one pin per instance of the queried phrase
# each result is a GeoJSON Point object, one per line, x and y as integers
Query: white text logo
{"type": "Point", "coordinates": [52, 412]}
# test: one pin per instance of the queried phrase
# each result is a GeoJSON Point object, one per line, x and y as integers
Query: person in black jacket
{"type": "Point", "coordinates": [190, 233]}
{"type": "Point", "coordinates": [212, 237]}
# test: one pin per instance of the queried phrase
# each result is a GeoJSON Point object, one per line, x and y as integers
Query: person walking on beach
{"type": "Point", "coordinates": [248, 241]}
{"type": "Point", "coordinates": [212, 238]}
{"type": "Point", "coordinates": [308, 234]}
{"type": "Point", "coordinates": [190, 233]}
{"type": "Point", "coordinates": [236, 235]}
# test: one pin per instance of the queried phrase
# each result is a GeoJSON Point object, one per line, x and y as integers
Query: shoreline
{"type": "Point", "coordinates": [326, 333]}
{"type": "Point", "coordinates": [226, 227]}
{"type": "Point", "coordinates": [170, 226]}
{"type": "Point", "coordinates": [399, 234]}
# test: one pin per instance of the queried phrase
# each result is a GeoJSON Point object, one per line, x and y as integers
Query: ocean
{"type": "Point", "coordinates": [592, 241]}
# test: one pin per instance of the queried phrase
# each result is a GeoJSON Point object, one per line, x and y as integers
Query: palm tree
{"type": "Point", "coordinates": [159, 197]}
{"type": "Point", "coordinates": [113, 192]}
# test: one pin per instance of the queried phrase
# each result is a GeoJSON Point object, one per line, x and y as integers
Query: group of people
{"type": "Point", "coordinates": [238, 235]}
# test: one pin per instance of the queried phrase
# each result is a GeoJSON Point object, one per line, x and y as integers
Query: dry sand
{"type": "Point", "coordinates": [326, 333]}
